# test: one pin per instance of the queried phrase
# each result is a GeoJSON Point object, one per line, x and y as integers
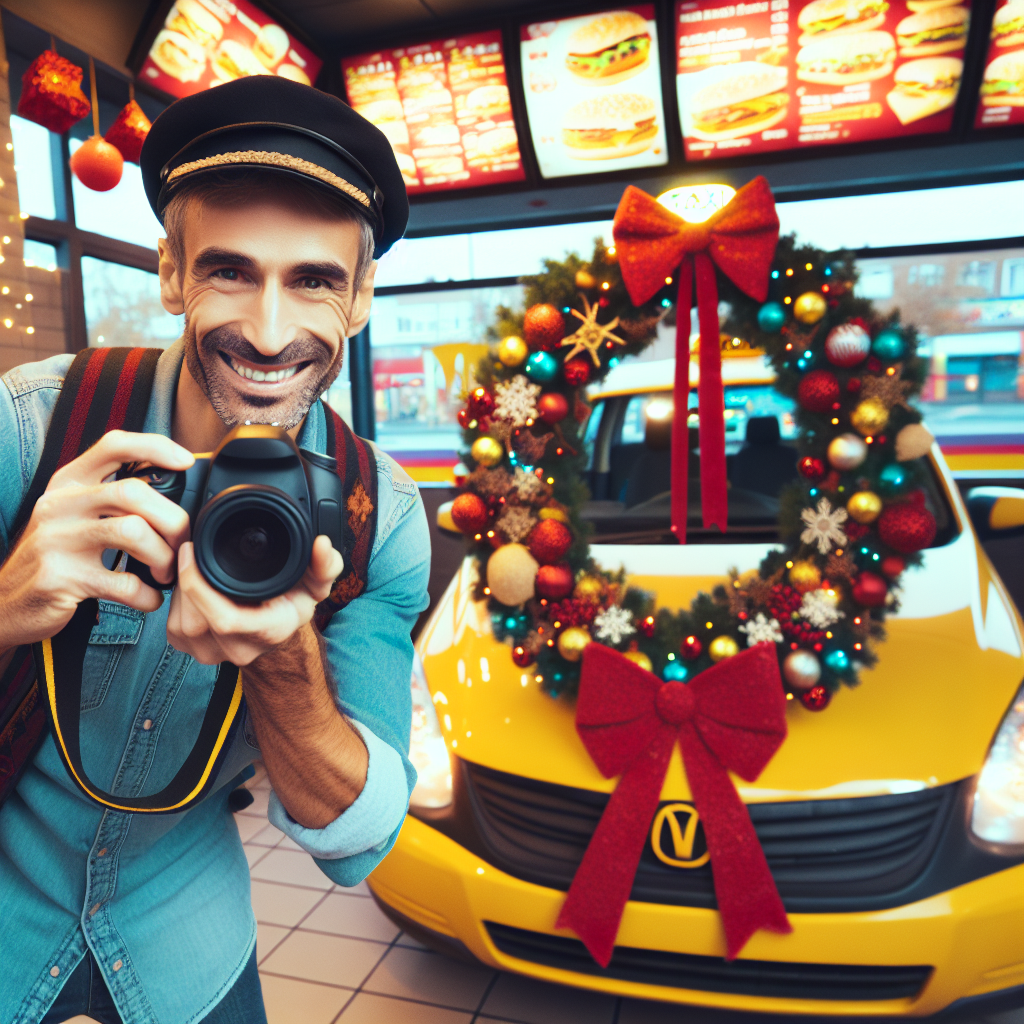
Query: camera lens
{"type": "Point", "coordinates": [252, 545]}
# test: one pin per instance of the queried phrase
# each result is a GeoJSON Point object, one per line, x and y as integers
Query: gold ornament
{"type": "Point", "coordinates": [846, 452]}
{"type": "Point", "coordinates": [912, 442]}
{"type": "Point", "coordinates": [805, 576]}
{"type": "Point", "coordinates": [864, 506]}
{"type": "Point", "coordinates": [641, 659]}
{"type": "Point", "coordinates": [511, 571]}
{"type": "Point", "coordinates": [810, 307]}
{"type": "Point", "coordinates": [591, 335]}
{"type": "Point", "coordinates": [553, 513]}
{"type": "Point", "coordinates": [723, 647]}
{"type": "Point", "coordinates": [572, 641]}
{"type": "Point", "coordinates": [487, 451]}
{"type": "Point", "coordinates": [589, 588]}
{"type": "Point", "coordinates": [512, 350]}
{"type": "Point", "coordinates": [870, 417]}
{"type": "Point", "coordinates": [585, 280]}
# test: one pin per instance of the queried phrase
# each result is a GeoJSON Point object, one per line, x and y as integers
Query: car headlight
{"type": "Point", "coordinates": [427, 749]}
{"type": "Point", "coordinates": [998, 813]}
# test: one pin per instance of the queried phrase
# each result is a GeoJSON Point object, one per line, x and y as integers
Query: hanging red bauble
{"type": "Point", "coordinates": [464, 416]}
{"type": "Point", "coordinates": [906, 527]}
{"type": "Point", "coordinates": [853, 385]}
{"type": "Point", "coordinates": [690, 648]}
{"type": "Point", "coordinates": [576, 372]}
{"type": "Point", "coordinates": [869, 590]}
{"type": "Point", "coordinates": [818, 391]}
{"type": "Point", "coordinates": [554, 581]}
{"type": "Point", "coordinates": [129, 131]}
{"type": "Point", "coordinates": [817, 698]}
{"type": "Point", "coordinates": [51, 93]}
{"type": "Point", "coordinates": [812, 468]}
{"type": "Point", "coordinates": [469, 513]}
{"type": "Point", "coordinates": [549, 541]}
{"type": "Point", "coordinates": [553, 407]}
{"type": "Point", "coordinates": [892, 566]}
{"type": "Point", "coordinates": [523, 656]}
{"type": "Point", "coordinates": [97, 164]}
{"type": "Point", "coordinates": [647, 625]}
{"type": "Point", "coordinates": [543, 327]}
{"type": "Point", "coordinates": [847, 345]}
{"type": "Point", "coordinates": [481, 402]}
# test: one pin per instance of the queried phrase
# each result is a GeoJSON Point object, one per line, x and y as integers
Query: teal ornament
{"type": "Point", "coordinates": [541, 367]}
{"type": "Point", "coordinates": [888, 346]}
{"type": "Point", "coordinates": [770, 317]}
{"type": "Point", "coordinates": [892, 479]}
{"type": "Point", "coordinates": [675, 672]}
{"type": "Point", "coordinates": [838, 661]}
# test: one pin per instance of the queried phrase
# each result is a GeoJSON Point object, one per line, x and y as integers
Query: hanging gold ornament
{"type": "Point", "coordinates": [864, 506]}
{"type": "Point", "coordinates": [487, 451]}
{"type": "Point", "coordinates": [512, 351]}
{"type": "Point", "coordinates": [870, 417]}
{"type": "Point", "coordinates": [591, 335]}
{"type": "Point", "coordinates": [585, 280]}
{"type": "Point", "coordinates": [572, 641]}
{"type": "Point", "coordinates": [723, 647]}
{"type": "Point", "coordinates": [641, 659]}
{"type": "Point", "coordinates": [589, 588]}
{"type": "Point", "coordinates": [805, 576]}
{"type": "Point", "coordinates": [553, 513]}
{"type": "Point", "coordinates": [810, 307]}
{"type": "Point", "coordinates": [846, 452]}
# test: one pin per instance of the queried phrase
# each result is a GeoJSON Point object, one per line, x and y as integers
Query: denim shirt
{"type": "Point", "coordinates": [163, 900]}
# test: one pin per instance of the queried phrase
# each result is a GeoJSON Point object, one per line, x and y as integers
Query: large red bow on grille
{"type": "Point", "coordinates": [653, 244]}
{"type": "Point", "coordinates": [732, 717]}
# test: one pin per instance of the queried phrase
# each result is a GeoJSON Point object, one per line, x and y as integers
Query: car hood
{"type": "Point", "coordinates": [924, 716]}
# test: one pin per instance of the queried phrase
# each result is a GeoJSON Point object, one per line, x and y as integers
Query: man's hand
{"type": "Point", "coordinates": [213, 628]}
{"type": "Point", "coordinates": [57, 561]}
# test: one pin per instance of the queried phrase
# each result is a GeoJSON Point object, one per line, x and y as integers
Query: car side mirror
{"type": "Point", "coordinates": [444, 520]}
{"type": "Point", "coordinates": [996, 511]}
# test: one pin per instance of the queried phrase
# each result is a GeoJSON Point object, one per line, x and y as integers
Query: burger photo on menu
{"type": "Point", "coordinates": [940, 30]}
{"type": "Point", "coordinates": [234, 60]}
{"type": "Point", "coordinates": [1008, 24]}
{"type": "Point", "coordinates": [178, 56]}
{"type": "Point", "coordinates": [484, 103]}
{"type": "Point", "coordinates": [195, 22]}
{"type": "Point", "coordinates": [829, 17]}
{"type": "Point", "coordinates": [1003, 82]}
{"type": "Point", "coordinates": [293, 73]}
{"type": "Point", "coordinates": [609, 48]}
{"type": "Point", "coordinates": [734, 100]}
{"type": "Point", "coordinates": [924, 87]}
{"type": "Point", "coordinates": [500, 143]}
{"type": "Point", "coordinates": [271, 45]}
{"type": "Point", "coordinates": [610, 126]}
{"type": "Point", "coordinates": [846, 59]}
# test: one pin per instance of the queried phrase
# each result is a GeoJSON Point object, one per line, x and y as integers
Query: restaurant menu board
{"type": "Point", "coordinates": [785, 74]}
{"type": "Point", "coordinates": [593, 92]}
{"type": "Point", "coordinates": [208, 42]}
{"type": "Point", "coordinates": [445, 109]}
{"type": "Point", "coordinates": [1002, 84]}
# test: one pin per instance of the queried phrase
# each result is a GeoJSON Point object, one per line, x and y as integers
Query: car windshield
{"type": "Point", "coordinates": [629, 468]}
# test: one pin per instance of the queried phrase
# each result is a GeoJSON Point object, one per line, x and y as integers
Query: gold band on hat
{"type": "Point", "coordinates": [291, 163]}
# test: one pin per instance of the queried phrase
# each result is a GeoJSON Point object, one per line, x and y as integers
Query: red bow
{"type": "Point", "coordinates": [732, 717]}
{"type": "Point", "coordinates": [652, 242]}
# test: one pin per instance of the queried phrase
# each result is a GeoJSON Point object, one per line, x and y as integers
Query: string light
{"type": "Point", "coordinates": [788, 300]}
{"type": "Point", "coordinates": [808, 266]}
{"type": "Point", "coordinates": [789, 272]}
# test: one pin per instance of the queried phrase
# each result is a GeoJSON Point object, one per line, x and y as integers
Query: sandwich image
{"type": "Point", "coordinates": [271, 45]}
{"type": "Point", "coordinates": [610, 126]}
{"type": "Point", "coordinates": [924, 87]}
{"type": "Point", "coordinates": [195, 22]}
{"type": "Point", "coordinates": [847, 59]}
{"type": "Point", "coordinates": [1003, 83]}
{"type": "Point", "coordinates": [407, 166]}
{"type": "Point", "coordinates": [487, 102]}
{"type": "Point", "coordinates": [940, 30]}
{"type": "Point", "coordinates": [495, 144]}
{"type": "Point", "coordinates": [178, 56]}
{"type": "Point", "coordinates": [1008, 24]}
{"type": "Point", "coordinates": [826, 17]}
{"type": "Point", "coordinates": [233, 60]}
{"type": "Point", "coordinates": [917, 6]}
{"type": "Point", "coordinates": [609, 48]}
{"type": "Point", "coordinates": [294, 74]}
{"type": "Point", "coordinates": [737, 100]}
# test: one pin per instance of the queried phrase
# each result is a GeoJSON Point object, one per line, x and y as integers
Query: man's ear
{"type": "Point", "coordinates": [171, 297]}
{"type": "Point", "coordinates": [361, 303]}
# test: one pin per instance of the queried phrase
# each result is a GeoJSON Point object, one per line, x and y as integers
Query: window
{"type": "Point", "coordinates": [926, 275]}
{"type": "Point", "coordinates": [33, 166]}
{"type": "Point", "coordinates": [122, 306]}
{"type": "Point", "coordinates": [978, 274]}
{"type": "Point", "coordinates": [875, 282]}
{"type": "Point", "coordinates": [40, 254]}
{"type": "Point", "coordinates": [1013, 278]}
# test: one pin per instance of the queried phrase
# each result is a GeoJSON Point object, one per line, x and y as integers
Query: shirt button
{"type": "Point", "coordinates": [94, 909]}
{"type": "Point", "coordinates": [54, 971]}
{"type": "Point", "coordinates": [118, 964]}
{"type": "Point", "coordinates": [147, 724]}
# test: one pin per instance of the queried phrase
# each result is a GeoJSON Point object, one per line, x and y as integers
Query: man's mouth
{"type": "Point", "coordinates": [268, 376]}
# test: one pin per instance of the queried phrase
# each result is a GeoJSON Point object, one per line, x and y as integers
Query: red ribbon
{"type": "Point", "coordinates": [653, 244]}
{"type": "Point", "coordinates": [732, 717]}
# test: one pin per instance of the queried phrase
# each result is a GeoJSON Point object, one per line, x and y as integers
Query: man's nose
{"type": "Point", "coordinates": [275, 326]}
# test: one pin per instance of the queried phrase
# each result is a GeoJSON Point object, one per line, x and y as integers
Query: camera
{"type": "Point", "coordinates": [255, 506]}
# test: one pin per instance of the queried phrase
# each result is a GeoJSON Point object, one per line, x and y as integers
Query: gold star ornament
{"type": "Point", "coordinates": [591, 335]}
{"type": "Point", "coordinates": [887, 387]}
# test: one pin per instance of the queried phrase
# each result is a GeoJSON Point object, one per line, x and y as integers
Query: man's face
{"type": "Point", "coordinates": [268, 302]}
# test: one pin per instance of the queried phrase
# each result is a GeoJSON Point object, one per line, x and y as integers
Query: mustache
{"type": "Point", "coordinates": [306, 348]}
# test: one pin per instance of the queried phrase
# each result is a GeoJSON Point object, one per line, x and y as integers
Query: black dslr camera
{"type": "Point", "coordinates": [255, 506]}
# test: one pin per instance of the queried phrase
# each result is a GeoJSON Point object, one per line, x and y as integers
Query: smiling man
{"type": "Point", "coordinates": [276, 200]}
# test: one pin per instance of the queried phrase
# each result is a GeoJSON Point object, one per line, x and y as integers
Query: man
{"type": "Point", "coordinates": [276, 199]}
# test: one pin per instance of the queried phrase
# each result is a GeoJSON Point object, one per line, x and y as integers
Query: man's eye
{"type": "Point", "coordinates": [313, 283]}
{"type": "Point", "coordinates": [228, 274]}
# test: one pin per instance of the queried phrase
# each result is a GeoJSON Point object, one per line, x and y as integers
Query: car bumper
{"type": "Point", "coordinates": [970, 936]}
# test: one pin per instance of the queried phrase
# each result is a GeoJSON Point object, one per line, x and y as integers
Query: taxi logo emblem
{"type": "Point", "coordinates": [681, 821]}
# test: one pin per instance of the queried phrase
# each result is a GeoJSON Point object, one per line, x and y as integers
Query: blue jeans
{"type": "Point", "coordinates": [86, 992]}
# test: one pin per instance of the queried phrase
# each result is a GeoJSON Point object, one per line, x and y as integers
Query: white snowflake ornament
{"type": "Point", "coordinates": [819, 608]}
{"type": "Point", "coordinates": [823, 526]}
{"type": "Point", "coordinates": [528, 485]}
{"type": "Point", "coordinates": [614, 624]}
{"type": "Point", "coordinates": [515, 400]}
{"type": "Point", "coordinates": [761, 629]}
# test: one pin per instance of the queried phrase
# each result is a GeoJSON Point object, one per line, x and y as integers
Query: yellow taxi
{"type": "Point", "coordinates": [893, 822]}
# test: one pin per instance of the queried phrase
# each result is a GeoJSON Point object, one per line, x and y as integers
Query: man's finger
{"type": "Point", "coordinates": [326, 563]}
{"type": "Point", "coordinates": [135, 536]}
{"type": "Point", "coordinates": [123, 588]}
{"type": "Point", "coordinates": [114, 449]}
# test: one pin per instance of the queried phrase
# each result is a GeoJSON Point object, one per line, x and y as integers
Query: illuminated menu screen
{"type": "Point", "coordinates": [445, 109]}
{"type": "Point", "coordinates": [785, 74]}
{"type": "Point", "coordinates": [1002, 84]}
{"type": "Point", "coordinates": [208, 42]}
{"type": "Point", "coordinates": [593, 92]}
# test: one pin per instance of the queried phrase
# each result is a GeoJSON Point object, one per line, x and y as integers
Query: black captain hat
{"type": "Point", "coordinates": [278, 125]}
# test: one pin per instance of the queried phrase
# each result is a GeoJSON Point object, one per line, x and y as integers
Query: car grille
{"type": "Point", "coordinates": [713, 974]}
{"type": "Point", "coordinates": [823, 854]}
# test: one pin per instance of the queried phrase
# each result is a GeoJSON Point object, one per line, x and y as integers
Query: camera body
{"type": "Point", "coordinates": [255, 506]}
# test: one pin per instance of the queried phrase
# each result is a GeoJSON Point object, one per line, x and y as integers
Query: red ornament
{"type": "Point", "coordinates": [97, 164]}
{"type": "Point", "coordinates": [464, 416]}
{"type": "Point", "coordinates": [51, 93]}
{"type": "Point", "coordinates": [549, 541]}
{"type": "Point", "coordinates": [812, 468]}
{"type": "Point", "coordinates": [576, 372]}
{"type": "Point", "coordinates": [522, 656]}
{"type": "Point", "coordinates": [469, 513]}
{"type": "Point", "coordinates": [553, 407]}
{"type": "Point", "coordinates": [818, 390]}
{"type": "Point", "coordinates": [690, 648]}
{"type": "Point", "coordinates": [906, 527]}
{"type": "Point", "coordinates": [817, 698]}
{"type": "Point", "coordinates": [554, 581]}
{"type": "Point", "coordinates": [481, 403]}
{"type": "Point", "coordinates": [543, 327]}
{"type": "Point", "coordinates": [893, 565]}
{"type": "Point", "coordinates": [853, 385]}
{"type": "Point", "coordinates": [647, 626]}
{"type": "Point", "coordinates": [129, 131]}
{"type": "Point", "coordinates": [870, 590]}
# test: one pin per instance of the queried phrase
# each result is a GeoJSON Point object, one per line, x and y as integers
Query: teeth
{"type": "Point", "coordinates": [270, 376]}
